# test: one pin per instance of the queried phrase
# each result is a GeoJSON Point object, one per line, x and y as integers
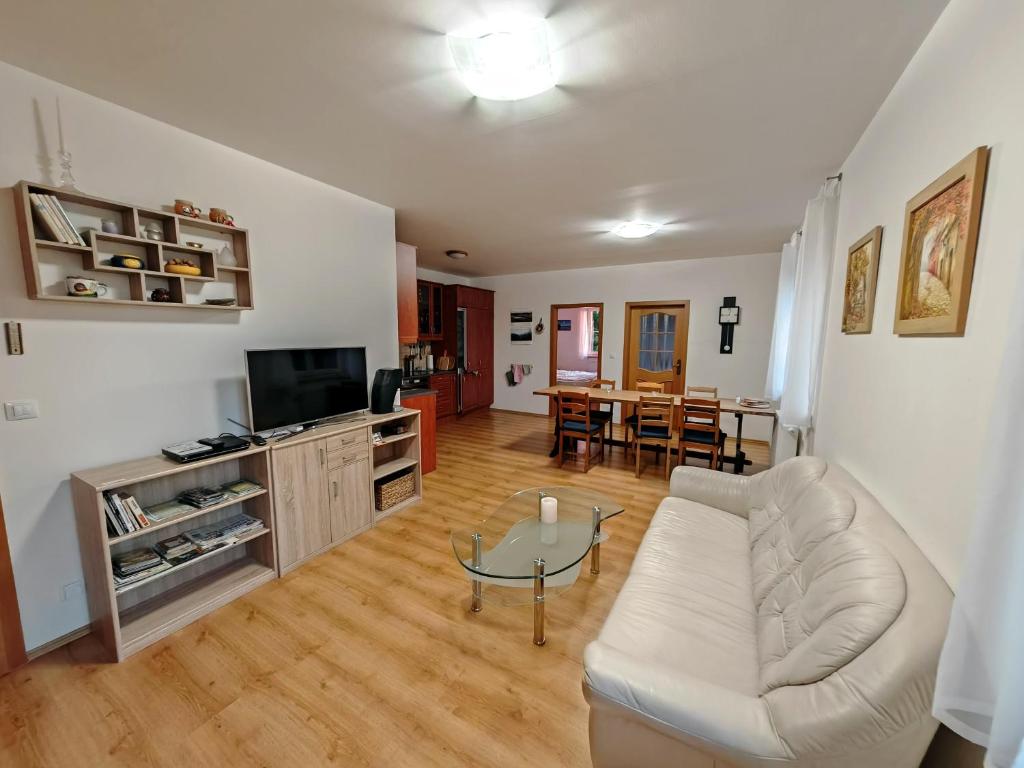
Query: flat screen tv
{"type": "Point", "coordinates": [303, 386]}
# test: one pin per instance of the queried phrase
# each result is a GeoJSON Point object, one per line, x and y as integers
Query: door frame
{"type": "Point", "coordinates": [553, 343]}
{"type": "Point", "coordinates": [683, 304]}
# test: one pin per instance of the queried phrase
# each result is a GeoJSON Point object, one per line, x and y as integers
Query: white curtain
{"type": "Point", "coordinates": [783, 315]}
{"type": "Point", "coordinates": [810, 305]}
{"type": "Point", "coordinates": [586, 331]}
{"type": "Point", "coordinates": [980, 689]}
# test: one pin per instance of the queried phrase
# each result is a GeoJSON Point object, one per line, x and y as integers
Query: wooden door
{"type": "Point", "coordinates": [301, 505]}
{"type": "Point", "coordinates": [351, 505]}
{"type": "Point", "coordinates": [12, 643]}
{"type": "Point", "coordinates": [656, 345]}
{"type": "Point", "coordinates": [479, 358]}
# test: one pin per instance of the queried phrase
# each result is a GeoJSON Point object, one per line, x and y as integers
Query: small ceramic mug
{"type": "Point", "coordinates": [83, 286]}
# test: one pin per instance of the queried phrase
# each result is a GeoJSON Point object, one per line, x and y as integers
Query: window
{"type": "Point", "coordinates": [595, 333]}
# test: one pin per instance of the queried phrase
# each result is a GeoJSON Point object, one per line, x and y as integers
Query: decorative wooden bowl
{"type": "Point", "coordinates": [182, 269]}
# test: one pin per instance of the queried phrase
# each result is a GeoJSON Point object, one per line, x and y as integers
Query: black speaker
{"type": "Point", "coordinates": [385, 384]}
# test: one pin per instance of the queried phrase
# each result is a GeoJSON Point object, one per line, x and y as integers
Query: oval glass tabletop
{"type": "Point", "coordinates": [513, 537]}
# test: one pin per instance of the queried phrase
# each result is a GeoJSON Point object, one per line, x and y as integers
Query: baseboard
{"type": "Point", "coordinates": [58, 642]}
{"type": "Point", "coordinates": [520, 413]}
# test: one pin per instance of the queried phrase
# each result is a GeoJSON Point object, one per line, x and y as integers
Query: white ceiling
{"type": "Point", "coordinates": [718, 118]}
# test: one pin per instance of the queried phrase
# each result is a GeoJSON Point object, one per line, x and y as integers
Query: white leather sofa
{"type": "Point", "coordinates": [779, 619]}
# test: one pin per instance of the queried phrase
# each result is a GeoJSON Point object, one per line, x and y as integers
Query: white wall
{"type": "Point", "coordinates": [910, 416]}
{"type": "Point", "coordinates": [115, 383]}
{"type": "Point", "coordinates": [704, 282]}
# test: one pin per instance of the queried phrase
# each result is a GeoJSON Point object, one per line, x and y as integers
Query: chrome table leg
{"type": "Point", "coordinates": [538, 601]}
{"type": "Point", "coordinates": [595, 552]}
{"type": "Point", "coordinates": [477, 603]}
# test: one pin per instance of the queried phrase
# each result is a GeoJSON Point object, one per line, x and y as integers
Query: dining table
{"type": "Point", "coordinates": [626, 397]}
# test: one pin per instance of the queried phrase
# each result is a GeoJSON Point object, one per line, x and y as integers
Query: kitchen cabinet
{"type": "Point", "coordinates": [429, 310]}
{"type": "Point", "coordinates": [426, 404]}
{"type": "Point", "coordinates": [444, 384]}
{"type": "Point", "coordinates": [405, 256]}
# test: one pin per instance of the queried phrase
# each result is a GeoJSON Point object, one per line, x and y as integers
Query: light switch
{"type": "Point", "coordinates": [16, 410]}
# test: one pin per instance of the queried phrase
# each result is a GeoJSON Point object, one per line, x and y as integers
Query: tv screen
{"type": "Point", "coordinates": [298, 386]}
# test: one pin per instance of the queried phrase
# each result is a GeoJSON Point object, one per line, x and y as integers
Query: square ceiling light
{"type": "Point", "coordinates": [507, 62]}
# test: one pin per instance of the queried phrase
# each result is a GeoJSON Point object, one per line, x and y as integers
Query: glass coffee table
{"type": "Point", "coordinates": [515, 550]}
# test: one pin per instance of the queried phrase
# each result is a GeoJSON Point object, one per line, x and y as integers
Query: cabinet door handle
{"type": "Point", "coordinates": [335, 484]}
{"type": "Point", "coordinates": [321, 457]}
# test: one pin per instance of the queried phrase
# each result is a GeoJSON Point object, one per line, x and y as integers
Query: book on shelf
{"type": "Point", "coordinates": [145, 573]}
{"type": "Point", "coordinates": [202, 497]}
{"type": "Point", "coordinates": [63, 222]}
{"type": "Point", "coordinates": [167, 510]}
{"type": "Point", "coordinates": [177, 549]}
{"type": "Point", "coordinates": [45, 218]}
{"type": "Point", "coordinates": [123, 521]}
{"type": "Point", "coordinates": [240, 488]}
{"type": "Point", "coordinates": [229, 531]}
{"type": "Point", "coordinates": [136, 565]}
{"type": "Point", "coordinates": [135, 509]}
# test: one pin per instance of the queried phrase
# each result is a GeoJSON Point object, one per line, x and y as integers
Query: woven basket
{"type": "Point", "coordinates": [388, 493]}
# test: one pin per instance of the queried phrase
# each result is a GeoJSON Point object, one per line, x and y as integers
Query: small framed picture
{"type": "Point", "coordinates": [861, 279]}
{"type": "Point", "coordinates": [565, 325]}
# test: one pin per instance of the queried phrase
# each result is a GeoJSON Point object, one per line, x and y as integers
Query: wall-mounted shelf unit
{"type": "Point", "coordinates": [47, 262]}
{"type": "Point", "coordinates": [132, 616]}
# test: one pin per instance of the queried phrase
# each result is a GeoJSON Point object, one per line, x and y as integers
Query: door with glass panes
{"type": "Point", "coordinates": [656, 344]}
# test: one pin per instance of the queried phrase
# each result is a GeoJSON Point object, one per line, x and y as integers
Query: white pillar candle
{"type": "Point", "coordinates": [548, 534]}
{"type": "Point", "coordinates": [549, 509]}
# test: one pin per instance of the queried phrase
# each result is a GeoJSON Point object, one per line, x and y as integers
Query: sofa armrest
{"type": "Point", "coordinates": [715, 489]}
{"type": "Point", "coordinates": [690, 709]}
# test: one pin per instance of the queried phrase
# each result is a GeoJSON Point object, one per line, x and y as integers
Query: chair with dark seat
{"type": "Point", "coordinates": [654, 427]}
{"type": "Point", "coordinates": [700, 431]}
{"type": "Point", "coordinates": [630, 421]}
{"type": "Point", "coordinates": [575, 422]}
{"type": "Point", "coordinates": [598, 412]}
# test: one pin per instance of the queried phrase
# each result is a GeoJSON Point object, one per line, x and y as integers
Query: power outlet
{"type": "Point", "coordinates": [71, 592]}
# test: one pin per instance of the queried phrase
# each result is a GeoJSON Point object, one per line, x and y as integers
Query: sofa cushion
{"type": "Point", "coordinates": [688, 599]}
{"type": "Point", "coordinates": [832, 605]}
{"type": "Point", "coordinates": [794, 532]}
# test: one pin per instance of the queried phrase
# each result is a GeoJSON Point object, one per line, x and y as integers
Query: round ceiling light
{"type": "Point", "coordinates": [457, 255]}
{"type": "Point", "coordinates": [632, 230]}
{"type": "Point", "coordinates": [507, 62]}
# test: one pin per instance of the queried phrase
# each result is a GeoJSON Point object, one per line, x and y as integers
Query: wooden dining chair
{"type": "Point", "coordinates": [575, 422]}
{"type": "Point", "coordinates": [654, 427]}
{"type": "Point", "coordinates": [598, 412]}
{"type": "Point", "coordinates": [630, 421]}
{"type": "Point", "coordinates": [700, 430]}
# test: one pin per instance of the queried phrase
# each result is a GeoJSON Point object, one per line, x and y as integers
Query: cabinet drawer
{"type": "Point", "coordinates": [346, 440]}
{"type": "Point", "coordinates": [347, 455]}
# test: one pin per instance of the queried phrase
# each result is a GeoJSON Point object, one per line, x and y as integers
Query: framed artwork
{"type": "Point", "coordinates": [861, 278]}
{"type": "Point", "coordinates": [940, 237]}
{"type": "Point", "coordinates": [564, 325]}
{"type": "Point", "coordinates": [521, 331]}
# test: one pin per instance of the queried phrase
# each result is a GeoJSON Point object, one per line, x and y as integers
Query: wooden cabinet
{"type": "Point", "coordinates": [405, 256]}
{"type": "Point", "coordinates": [351, 505]}
{"type": "Point", "coordinates": [427, 406]}
{"type": "Point", "coordinates": [430, 310]}
{"type": "Point", "coordinates": [478, 348]}
{"type": "Point", "coordinates": [446, 403]}
{"type": "Point", "coordinates": [300, 500]}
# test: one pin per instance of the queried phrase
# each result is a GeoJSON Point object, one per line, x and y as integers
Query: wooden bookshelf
{"type": "Point", "coordinates": [131, 617]}
{"type": "Point", "coordinates": [47, 262]}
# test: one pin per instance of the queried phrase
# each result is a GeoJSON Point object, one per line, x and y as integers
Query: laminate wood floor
{"type": "Point", "coordinates": [367, 656]}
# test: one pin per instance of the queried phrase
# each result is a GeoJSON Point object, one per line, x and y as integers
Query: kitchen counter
{"type": "Point", "coordinates": [404, 393]}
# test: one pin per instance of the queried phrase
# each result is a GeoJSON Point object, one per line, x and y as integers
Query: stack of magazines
{"type": "Point", "coordinates": [202, 497]}
{"type": "Point", "coordinates": [137, 565]}
{"type": "Point", "coordinates": [177, 550]}
{"type": "Point", "coordinates": [228, 531]}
